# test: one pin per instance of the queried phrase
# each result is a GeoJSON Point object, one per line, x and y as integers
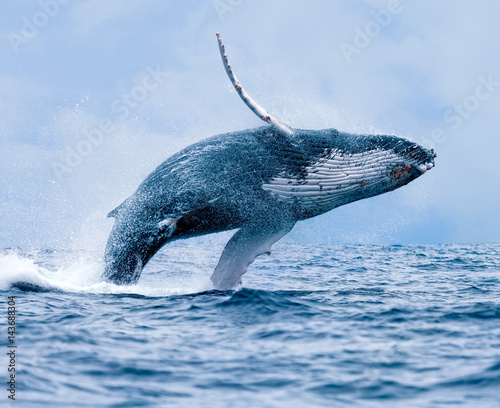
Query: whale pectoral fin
{"type": "Point", "coordinates": [242, 249]}
{"type": "Point", "coordinates": [254, 106]}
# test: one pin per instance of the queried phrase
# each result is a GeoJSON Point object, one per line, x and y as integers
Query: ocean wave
{"type": "Point", "coordinates": [46, 271]}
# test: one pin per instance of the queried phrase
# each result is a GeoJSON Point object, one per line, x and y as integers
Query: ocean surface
{"type": "Point", "coordinates": [311, 326]}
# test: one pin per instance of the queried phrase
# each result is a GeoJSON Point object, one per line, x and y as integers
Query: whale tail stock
{"type": "Point", "coordinates": [132, 243]}
{"type": "Point", "coordinates": [126, 258]}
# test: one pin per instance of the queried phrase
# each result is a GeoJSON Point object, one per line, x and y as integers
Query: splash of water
{"type": "Point", "coordinates": [81, 273]}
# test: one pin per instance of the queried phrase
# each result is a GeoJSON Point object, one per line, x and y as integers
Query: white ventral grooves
{"type": "Point", "coordinates": [329, 181]}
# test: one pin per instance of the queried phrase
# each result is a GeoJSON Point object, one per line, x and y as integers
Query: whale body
{"type": "Point", "coordinates": [260, 181]}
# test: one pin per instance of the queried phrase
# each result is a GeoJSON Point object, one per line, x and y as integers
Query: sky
{"type": "Point", "coordinates": [95, 94]}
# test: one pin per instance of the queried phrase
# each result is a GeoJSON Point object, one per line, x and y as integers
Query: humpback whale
{"type": "Point", "coordinates": [259, 181]}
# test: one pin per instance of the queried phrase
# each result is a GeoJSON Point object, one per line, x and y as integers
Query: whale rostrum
{"type": "Point", "coordinates": [259, 181]}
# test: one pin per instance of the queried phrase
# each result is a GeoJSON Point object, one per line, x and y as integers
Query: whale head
{"type": "Point", "coordinates": [343, 168]}
{"type": "Point", "coordinates": [406, 161]}
{"type": "Point", "coordinates": [375, 164]}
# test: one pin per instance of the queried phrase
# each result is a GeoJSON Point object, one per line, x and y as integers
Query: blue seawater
{"type": "Point", "coordinates": [312, 326]}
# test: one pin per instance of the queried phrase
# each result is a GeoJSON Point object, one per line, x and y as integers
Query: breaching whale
{"type": "Point", "coordinates": [260, 181]}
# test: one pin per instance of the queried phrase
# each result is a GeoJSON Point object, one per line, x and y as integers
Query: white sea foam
{"type": "Point", "coordinates": [81, 273]}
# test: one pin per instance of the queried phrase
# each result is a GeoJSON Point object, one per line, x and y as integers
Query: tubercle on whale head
{"type": "Point", "coordinates": [430, 164]}
{"type": "Point", "coordinates": [417, 160]}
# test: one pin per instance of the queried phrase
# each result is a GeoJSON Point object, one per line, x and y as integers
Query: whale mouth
{"type": "Point", "coordinates": [418, 160]}
{"type": "Point", "coordinates": [424, 167]}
